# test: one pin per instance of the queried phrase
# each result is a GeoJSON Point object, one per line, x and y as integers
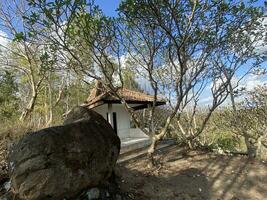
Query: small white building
{"type": "Point", "coordinates": [109, 106]}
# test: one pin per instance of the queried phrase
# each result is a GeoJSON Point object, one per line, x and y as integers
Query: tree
{"type": "Point", "coordinates": [185, 45]}
{"type": "Point", "coordinates": [249, 120]}
{"type": "Point", "coordinates": [130, 80]}
{"type": "Point", "coordinates": [179, 47]}
{"type": "Point", "coordinates": [23, 53]}
{"type": "Point", "coordinates": [8, 97]}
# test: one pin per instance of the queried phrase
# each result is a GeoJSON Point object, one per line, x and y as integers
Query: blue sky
{"type": "Point", "coordinates": [108, 6]}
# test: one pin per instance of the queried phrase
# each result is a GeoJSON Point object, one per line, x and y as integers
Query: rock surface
{"type": "Point", "coordinates": [109, 190]}
{"type": "Point", "coordinates": [61, 162]}
{"type": "Point", "coordinates": [80, 113]}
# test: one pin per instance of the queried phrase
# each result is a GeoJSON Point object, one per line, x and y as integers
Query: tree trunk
{"type": "Point", "coordinates": [151, 151]}
{"type": "Point", "coordinates": [259, 151]}
{"type": "Point", "coordinates": [154, 140]}
{"type": "Point", "coordinates": [27, 112]}
{"type": "Point", "coordinates": [232, 96]}
{"type": "Point", "coordinates": [251, 148]}
{"type": "Point", "coordinates": [51, 109]}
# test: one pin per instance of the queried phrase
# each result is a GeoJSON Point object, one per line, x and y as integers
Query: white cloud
{"type": "Point", "coordinates": [206, 100]}
{"type": "Point", "coordinates": [261, 46]}
{"type": "Point", "coordinates": [249, 82]}
{"type": "Point", "coordinates": [252, 81]}
{"type": "Point", "coordinates": [3, 38]}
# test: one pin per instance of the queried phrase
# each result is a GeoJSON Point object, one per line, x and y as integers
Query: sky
{"type": "Point", "coordinates": [109, 8]}
{"type": "Point", "coordinates": [3, 36]}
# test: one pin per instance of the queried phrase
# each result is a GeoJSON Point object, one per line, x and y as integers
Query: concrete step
{"type": "Point", "coordinates": [143, 150]}
{"type": "Point", "coordinates": [131, 144]}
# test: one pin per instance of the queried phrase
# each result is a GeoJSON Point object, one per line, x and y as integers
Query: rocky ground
{"type": "Point", "coordinates": [195, 175]}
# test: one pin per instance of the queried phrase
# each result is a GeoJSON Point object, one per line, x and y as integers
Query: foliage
{"type": "Point", "coordinates": [180, 48]}
{"type": "Point", "coordinates": [9, 101]}
{"type": "Point", "coordinates": [130, 80]}
{"type": "Point", "coordinates": [250, 120]}
{"type": "Point", "coordinates": [240, 130]}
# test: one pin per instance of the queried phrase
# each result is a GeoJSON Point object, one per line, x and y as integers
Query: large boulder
{"type": "Point", "coordinates": [81, 113]}
{"type": "Point", "coordinates": [62, 161]}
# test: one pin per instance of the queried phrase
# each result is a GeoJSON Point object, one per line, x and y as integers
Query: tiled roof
{"type": "Point", "coordinates": [99, 96]}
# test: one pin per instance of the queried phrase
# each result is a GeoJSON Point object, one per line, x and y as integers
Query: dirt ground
{"type": "Point", "coordinates": [195, 175]}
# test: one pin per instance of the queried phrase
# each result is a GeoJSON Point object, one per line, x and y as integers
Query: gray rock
{"type": "Point", "coordinates": [80, 113]}
{"type": "Point", "coordinates": [93, 193]}
{"type": "Point", "coordinates": [7, 185]}
{"type": "Point", "coordinates": [118, 197]}
{"type": "Point", "coordinates": [62, 161]}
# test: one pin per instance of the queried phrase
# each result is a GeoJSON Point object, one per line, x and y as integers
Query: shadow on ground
{"type": "Point", "coordinates": [194, 175]}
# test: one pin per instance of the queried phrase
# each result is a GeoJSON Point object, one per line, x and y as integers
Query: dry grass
{"type": "Point", "coordinates": [10, 133]}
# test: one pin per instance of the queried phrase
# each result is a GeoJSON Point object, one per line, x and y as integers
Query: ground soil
{"type": "Point", "coordinates": [194, 175]}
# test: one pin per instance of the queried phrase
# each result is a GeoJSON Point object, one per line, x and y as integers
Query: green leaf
{"type": "Point", "coordinates": [18, 37]}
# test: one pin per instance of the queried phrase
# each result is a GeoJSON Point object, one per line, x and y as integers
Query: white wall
{"type": "Point", "coordinates": [102, 110]}
{"type": "Point", "coordinates": [123, 121]}
{"type": "Point", "coordinates": [123, 118]}
{"type": "Point", "coordinates": [137, 133]}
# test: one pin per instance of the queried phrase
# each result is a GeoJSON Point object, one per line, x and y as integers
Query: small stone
{"type": "Point", "coordinates": [93, 194]}
{"type": "Point", "coordinates": [107, 194]}
{"type": "Point", "coordinates": [7, 185]}
{"type": "Point", "coordinates": [118, 197]}
{"type": "Point", "coordinates": [185, 196]}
